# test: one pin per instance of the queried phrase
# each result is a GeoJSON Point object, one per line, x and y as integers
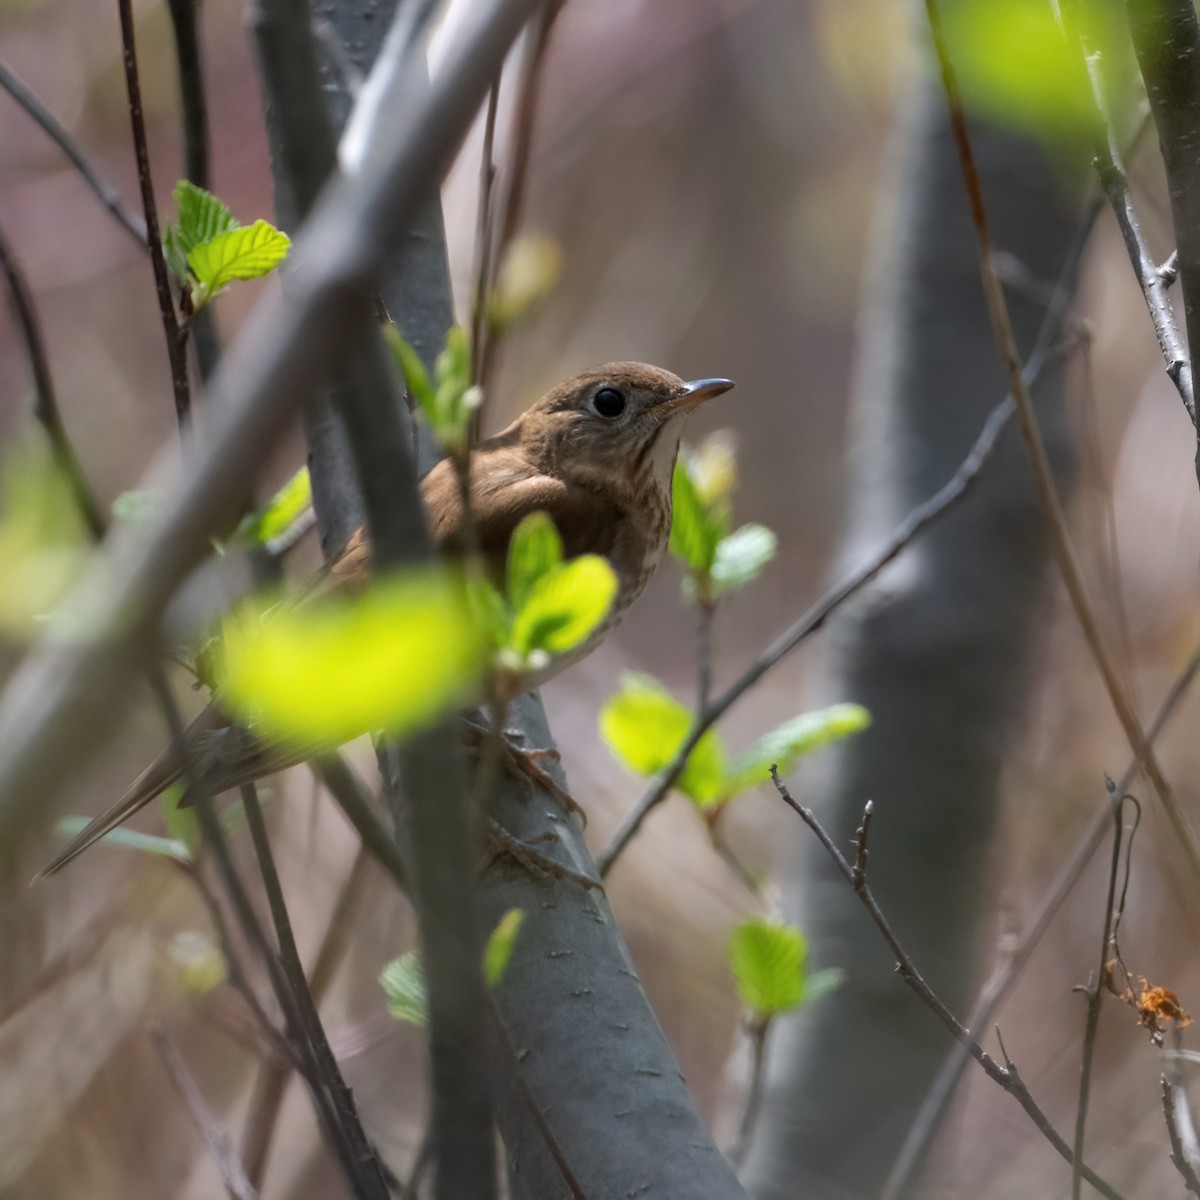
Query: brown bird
{"type": "Point", "coordinates": [596, 453]}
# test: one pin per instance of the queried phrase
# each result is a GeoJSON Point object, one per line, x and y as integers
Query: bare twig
{"type": "Point", "coordinates": [175, 335]}
{"type": "Point", "coordinates": [1043, 478]}
{"type": "Point", "coordinates": [757, 1033]}
{"type": "Point", "coordinates": [45, 406]}
{"type": "Point", "coordinates": [1182, 1164]}
{"type": "Point", "coordinates": [937, 1100]}
{"type": "Point", "coordinates": [233, 1174]}
{"type": "Point", "coordinates": [1166, 39]}
{"type": "Point", "coordinates": [1006, 1076]}
{"type": "Point", "coordinates": [704, 654]}
{"type": "Point", "coordinates": [1095, 991]}
{"type": "Point", "coordinates": [347, 789]}
{"type": "Point", "coordinates": [484, 229]}
{"type": "Point", "coordinates": [89, 172]}
{"type": "Point", "coordinates": [362, 1163]}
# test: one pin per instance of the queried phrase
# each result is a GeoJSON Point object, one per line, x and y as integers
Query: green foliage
{"type": "Point", "coordinates": [549, 607]}
{"type": "Point", "coordinates": [782, 747]}
{"type": "Point", "coordinates": [645, 727]}
{"type": "Point", "coordinates": [403, 979]}
{"type": "Point", "coordinates": [283, 510]}
{"type": "Point", "coordinates": [181, 824]}
{"type": "Point", "coordinates": [208, 250]}
{"type": "Point", "coordinates": [199, 960]}
{"type": "Point", "coordinates": [716, 561]}
{"type": "Point", "coordinates": [767, 960]}
{"type": "Point", "coordinates": [129, 839]}
{"type": "Point", "coordinates": [530, 271]}
{"type": "Point", "coordinates": [392, 658]}
{"type": "Point", "coordinates": [42, 542]}
{"type": "Point", "coordinates": [449, 399]}
{"type": "Point", "coordinates": [135, 507]}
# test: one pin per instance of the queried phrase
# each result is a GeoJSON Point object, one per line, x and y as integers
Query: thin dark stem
{"type": "Point", "coordinates": [347, 789]}
{"type": "Point", "coordinates": [752, 1106]}
{"type": "Point", "coordinates": [1006, 1076]}
{"type": "Point", "coordinates": [233, 1174]}
{"type": "Point", "coordinates": [1180, 1159]}
{"type": "Point", "coordinates": [100, 187]}
{"type": "Point", "coordinates": [704, 654]}
{"type": "Point", "coordinates": [1094, 993]}
{"type": "Point", "coordinates": [484, 229]}
{"type": "Point", "coordinates": [365, 1174]}
{"type": "Point", "coordinates": [45, 406]}
{"type": "Point", "coordinates": [937, 1101]}
{"type": "Point", "coordinates": [176, 338]}
{"type": "Point", "coordinates": [1043, 477]}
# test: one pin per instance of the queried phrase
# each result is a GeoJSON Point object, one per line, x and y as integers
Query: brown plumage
{"type": "Point", "coordinates": [596, 453]}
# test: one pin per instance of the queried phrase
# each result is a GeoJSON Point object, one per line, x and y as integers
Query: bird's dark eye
{"type": "Point", "coordinates": [608, 402]}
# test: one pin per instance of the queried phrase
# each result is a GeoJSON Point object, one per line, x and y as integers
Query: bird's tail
{"type": "Point", "coordinates": [152, 782]}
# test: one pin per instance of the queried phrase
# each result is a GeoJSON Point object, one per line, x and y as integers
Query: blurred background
{"type": "Point", "coordinates": [712, 173]}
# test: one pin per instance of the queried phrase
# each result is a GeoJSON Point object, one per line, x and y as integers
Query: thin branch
{"type": "Point", "coordinates": [45, 406]}
{"type": "Point", "coordinates": [1166, 40]}
{"type": "Point", "coordinates": [484, 229]}
{"type": "Point", "coordinates": [352, 797]}
{"type": "Point", "coordinates": [705, 614]}
{"type": "Point", "coordinates": [937, 1100]}
{"type": "Point", "coordinates": [1095, 991]}
{"type": "Point", "coordinates": [364, 1169]}
{"type": "Point", "coordinates": [176, 338]}
{"type": "Point", "coordinates": [1043, 478]}
{"type": "Point", "coordinates": [100, 187]}
{"type": "Point", "coordinates": [752, 1106]}
{"type": "Point", "coordinates": [1182, 1164]}
{"type": "Point", "coordinates": [233, 1174]}
{"type": "Point", "coordinates": [1006, 1076]}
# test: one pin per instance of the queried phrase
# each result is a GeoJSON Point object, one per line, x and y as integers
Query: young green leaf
{"type": "Point", "coordinates": [130, 839]}
{"type": "Point", "coordinates": [530, 270]}
{"type": "Point", "coordinates": [500, 946]}
{"type": "Point", "coordinates": [645, 726]}
{"type": "Point", "coordinates": [200, 961]}
{"type": "Point", "coordinates": [740, 557]}
{"type": "Point", "coordinates": [821, 983]}
{"type": "Point", "coordinates": [403, 981]}
{"type": "Point", "coordinates": [416, 378]}
{"type": "Point", "coordinates": [174, 254]}
{"type": "Point", "coordinates": [534, 550]}
{"type": "Point", "coordinates": [455, 399]}
{"type": "Point", "coordinates": [391, 658]}
{"type": "Point", "coordinates": [182, 824]}
{"type": "Point", "coordinates": [283, 510]}
{"type": "Point", "coordinates": [693, 537]}
{"type": "Point", "coordinates": [800, 736]}
{"type": "Point", "coordinates": [565, 606]}
{"type": "Point", "coordinates": [136, 507]}
{"type": "Point", "coordinates": [767, 960]}
{"type": "Point", "coordinates": [243, 253]}
{"type": "Point", "coordinates": [202, 216]}
{"type": "Point", "coordinates": [491, 612]}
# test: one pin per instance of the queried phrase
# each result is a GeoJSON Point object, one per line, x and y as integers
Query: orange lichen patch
{"type": "Point", "coordinates": [1156, 1007]}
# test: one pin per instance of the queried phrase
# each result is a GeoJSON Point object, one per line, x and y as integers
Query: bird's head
{"type": "Point", "coordinates": [622, 420]}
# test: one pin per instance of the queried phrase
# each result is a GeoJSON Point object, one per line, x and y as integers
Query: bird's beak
{"type": "Point", "coordinates": [694, 394]}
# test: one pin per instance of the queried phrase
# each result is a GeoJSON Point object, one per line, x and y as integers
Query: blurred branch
{"type": "Point", "coordinates": [363, 1169]}
{"type": "Point", "coordinates": [45, 398]}
{"type": "Point", "coordinates": [937, 1101]}
{"type": "Point", "coordinates": [1166, 39]}
{"type": "Point", "coordinates": [1183, 1164]}
{"type": "Point", "coordinates": [100, 187]}
{"type": "Point", "coordinates": [233, 1175]}
{"type": "Point", "coordinates": [752, 1104]}
{"type": "Point", "coordinates": [64, 698]}
{"type": "Point", "coordinates": [1006, 1076]}
{"type": "Point", "coordinates": [484, 227]}
{"type": "Point", "coordinates": [1095, 991]}
{"type": "Point", "coordinates": [1047, 492]}
{"type": "Point", "coordinates": [175, 335]}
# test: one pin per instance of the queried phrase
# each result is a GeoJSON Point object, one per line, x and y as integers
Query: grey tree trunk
{"type": "Point", "coordinates": [938, 650]}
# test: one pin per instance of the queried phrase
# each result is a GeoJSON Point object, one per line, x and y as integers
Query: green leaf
{"type": "Point", "coordinates": [416, 379]}
{"type": "Point", "coordinates": [565, 606]}
{"type": "Point", "coordinates": [174, 254]}
{"type": "Point", "coordinates": [181, 824]}
{"type": "Point", "coordinates": [741, 556]}
{"type": "Point", "coordinates": [455, 399]}
{"type": "Point", "coordinates": [130, 839]}
{"type": "Point", "coordinates": [403, 981]}
{"type": "Point", "coordinates": [645, 726]}
{"type": "Point", "coordinates": [822, 983]}
{"type": "Point", "coordinates": [500, 946]}
{"type": "Point", "coordinates": [283, 510]}
{"type": "Point", "coordinates": [534, 550]}
{"type": "Point", "coordinates": [693, 536]}
{"type": "Point", "coordinates": [491, 611]}
{"type": "Point", "coordinates": [202, 217]}
{"type": "Point", "coordinates": [530, 270]}
{"type": "Point", "coordinates": [391, 658]}
{"type": "Point", "coordinates": [802, 735]}
{"type": "Point", "coordinates": [201, 964]}
{"type": "Point", "coordinates": [136, 507]}
{"type": "Point", "coordinates": [767, 960]}
{"type": "Point", "coordinates": [237, 254]}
